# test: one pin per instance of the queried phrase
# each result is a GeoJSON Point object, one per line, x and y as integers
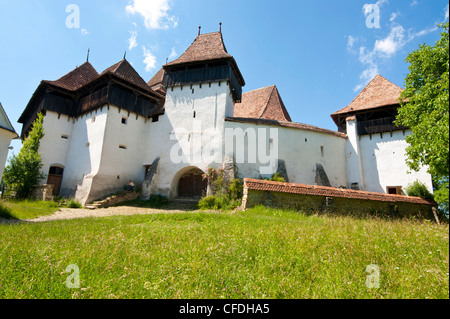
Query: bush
{"type": "Point", "coordinates": [219, 202]}
{"type": "Point", "coordinates": [74, 204]}
{"type": "Point", "coordinates": [419, 189]}
{"type": "Point", "coordinates": [5, 212]}
{"type": "Point", "coordinates": [157, 201]}
{"type": "Point", "coordinates": [23, 171]}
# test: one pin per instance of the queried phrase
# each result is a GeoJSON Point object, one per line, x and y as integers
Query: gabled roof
{"type": "Point", "coordinates": [205, 47]}
{"type": "Point", "coordinates": [76, 78]}
{"type": "Point", "coordinates": [264, 103]}
{"type": "Point", "coordinates": [157, 78]}
{"type": "Point", "coordinates": [378, 93]}
{"type": "Point", "coordinates": [5, 123]}
{"type": "Point", "coordinates": [125, 71]}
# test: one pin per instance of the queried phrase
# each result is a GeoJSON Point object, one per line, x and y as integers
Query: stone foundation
{"type": "Point", "coordinates": [43, 192]}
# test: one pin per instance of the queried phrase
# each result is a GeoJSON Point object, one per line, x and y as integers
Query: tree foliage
{"type": "Point", "coordinates": [426, 108]}
{"type": "Point", "coordinates": [24, 170]}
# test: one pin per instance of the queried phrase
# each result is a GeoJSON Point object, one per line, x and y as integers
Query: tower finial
{"type": "Point", "coordinates": [199, 29]}
{"type": "Point", "coordinates": [125, 55]}
{"type": "Point", "coordinates": [220, 27]}
{"type": "Point", "coordinates": [87, 59]}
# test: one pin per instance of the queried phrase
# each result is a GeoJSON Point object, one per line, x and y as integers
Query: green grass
{"type": "Point", "coordinates": [261, 253]}
{"type": "Point", "coordinates": [27, 209]}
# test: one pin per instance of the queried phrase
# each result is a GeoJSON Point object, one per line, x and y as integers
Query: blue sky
{"type": "Point", "coordinates": [320, 54]}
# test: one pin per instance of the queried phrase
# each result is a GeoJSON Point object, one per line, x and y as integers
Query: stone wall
{"type": "Point", "coordinates": [321, 203]}
{"type": "Point", "coordinates": [43, 192]}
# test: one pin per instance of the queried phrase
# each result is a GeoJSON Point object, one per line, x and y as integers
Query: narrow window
{"type": "Point", "coordinates": [123, 147]}
{"type": "Point", "coordinates": [321, 151]}
{"type": "Point", "coordinates": [195, 114]}
{"type": "Point", "coordinates": [65, 137]}
{"type": "Point", "coordinates": [93, 119]}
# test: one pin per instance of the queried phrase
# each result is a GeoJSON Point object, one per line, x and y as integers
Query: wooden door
{"type": "Point", "coordinates": [192, 184]}
{"type": "Point", "coordinates": [55, 176]}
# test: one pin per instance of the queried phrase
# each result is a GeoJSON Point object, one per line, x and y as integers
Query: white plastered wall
{"type": "Point", "coordinates": [175, 139]}
{"type": "Point", "coordinates": [301, 150]}
{"type": "Point", "coordinates": [383, 159]}
{"type": "Point", "coordinates": [5, 140]}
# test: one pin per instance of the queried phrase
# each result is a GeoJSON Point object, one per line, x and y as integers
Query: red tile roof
{"type": "Point", "coordinates": [303, 189]}
{"type": "Point", "coordinates": [125, 71]}
{"type": "Point", "coordinates": [378, 93]}
{"type": "Point", "coordinates": [293, 125]}
{"type": "Point", "coordinates": [264, 103]}
{"type": "Point", "coordinates": [76, 78]}
{"type": "Point", "coordinates": [205, 47]}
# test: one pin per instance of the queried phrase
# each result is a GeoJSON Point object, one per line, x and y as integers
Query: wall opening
{"type": "Point", "coordinates": [55, 175]}
{"type": "Point", "coordinates": [191, 184]}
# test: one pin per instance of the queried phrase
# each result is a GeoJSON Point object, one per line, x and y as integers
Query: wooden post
{"type": "Point", "coordinates": [435, 215]}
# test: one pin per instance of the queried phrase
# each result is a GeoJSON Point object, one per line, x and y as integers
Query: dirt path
{"type": "Point", "coordinates": [70, 213]}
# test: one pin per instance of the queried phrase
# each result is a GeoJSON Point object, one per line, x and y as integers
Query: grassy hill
{"type": "Point", "coordinates": [260, 253]}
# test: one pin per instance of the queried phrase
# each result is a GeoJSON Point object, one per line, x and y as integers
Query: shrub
{"type": "Point", "coordinates": [418, 189]}
{"type": "Point", "coordinates": [275, 178]}
{"type": "Point", "coordinates": [23, 171]}
{"type": "Point", "coordinates": [218, 202]}
{"type": "Point", "coordinates": [235, 190]}
{"type": "Point", "coordinates": [5, 212]}
{"type": "Point", "coordinates": [157, 201]}
{"type": "Point", "coordinates": [74, 204]}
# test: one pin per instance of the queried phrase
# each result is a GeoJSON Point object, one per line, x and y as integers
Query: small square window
{"type": "Point", "coordinates": [124, 120]}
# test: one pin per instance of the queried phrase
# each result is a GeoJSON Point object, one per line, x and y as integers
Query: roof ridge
{"type": "Point", "coordinates": [268, 100]}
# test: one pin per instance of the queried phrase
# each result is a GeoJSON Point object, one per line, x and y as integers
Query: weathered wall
{"type": "Point", "coordinates": [301, 150]}
{"type": "Point", "coordinates": [182, 139]}
{"type": "Point", "coordinates": [324, 204]}
{"type": "Point", "coordinates": [52, 147]}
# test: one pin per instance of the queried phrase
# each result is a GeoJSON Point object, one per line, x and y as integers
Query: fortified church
{"type": "Point", "coordinates": [104, 129]}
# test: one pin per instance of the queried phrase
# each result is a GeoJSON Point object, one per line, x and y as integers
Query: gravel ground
{"type": "Point", "coordinates": [70, 213]}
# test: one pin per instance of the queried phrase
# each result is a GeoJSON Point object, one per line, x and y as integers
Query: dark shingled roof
{"type": "Point", "coordinates": [378, 93]}
{"type": "Point", "coordinates": [76, 78]}
{"type": "Point", "coordinates": [264, 103]}
{"type": "Point", "coordinates": [205, 47]}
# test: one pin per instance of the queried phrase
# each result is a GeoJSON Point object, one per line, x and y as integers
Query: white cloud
{"type": "Point", "coordinates": [132, 41]}
{"type": "Point", "coordinates": [392, 43]}
{"type": "Point", "coordinates": [446, 12]}
{"type": "Point", "coordinates": [367, 8]}
{"type": "Point", "coordinates": [173, 54]}
{"type": "Point", "coordinates": [394, 15]}
{"type": "Point", "coordinates": [155, 13]}
{"type": "Point", "coordinates": [149, 59]}
{"type": "Point", "coordinates": [351, 40]}
{"type": "Point", "coordinates": [414, 3]}
{"type": "Point", "coordinates": [84, 31]}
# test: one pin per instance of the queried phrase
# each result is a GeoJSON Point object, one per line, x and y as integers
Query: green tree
{"type": "Point", "coordinates": [24, 170]}
{"type": "Point", "coordinates": [425, 109]}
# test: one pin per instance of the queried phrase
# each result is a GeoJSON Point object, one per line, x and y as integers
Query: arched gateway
{"type": "Point", "coordinates": [191, 184]}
